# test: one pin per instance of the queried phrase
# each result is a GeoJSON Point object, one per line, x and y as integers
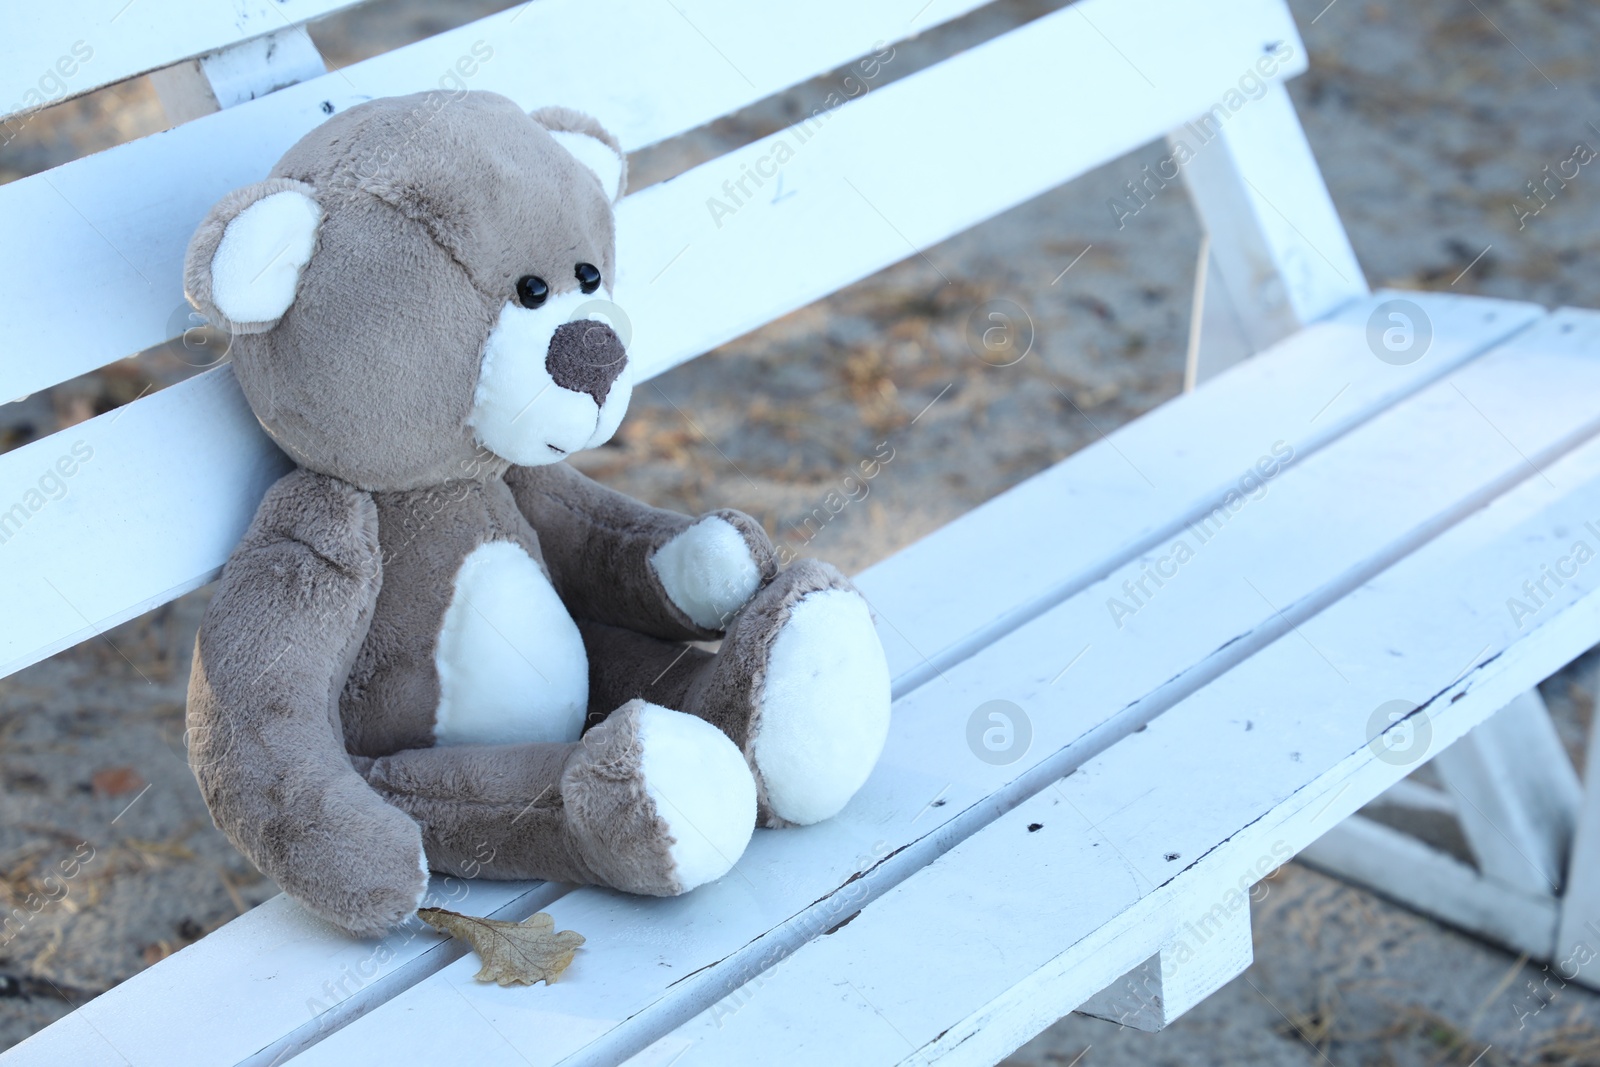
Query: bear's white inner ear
{"type": "Point", "coordinates": [258, 261]}
{"type": "Point", "coordinates": [597, 156]}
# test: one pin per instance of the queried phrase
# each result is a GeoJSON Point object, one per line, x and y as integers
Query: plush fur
{"type": "Point", "coordinates": [438, 646]}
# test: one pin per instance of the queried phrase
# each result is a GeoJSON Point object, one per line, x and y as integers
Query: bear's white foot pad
{"type": "Point", "coordinates": [702, 789]}
{"type": "Point", "coordinates": [824, 711]}
{"type": "Point", "coordinates": [708, 572]}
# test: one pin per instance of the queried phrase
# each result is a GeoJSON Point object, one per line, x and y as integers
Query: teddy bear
{"type": "Point", "coordinates": [439, 647]}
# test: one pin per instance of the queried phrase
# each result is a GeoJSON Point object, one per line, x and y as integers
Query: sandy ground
{"type": "Point", "coordinates": [1428, 120]}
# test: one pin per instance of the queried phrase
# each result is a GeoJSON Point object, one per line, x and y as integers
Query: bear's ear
{"type": "Point", "coordinates": [244, 262]}
{"type": "Point", "coordinates": [591, 143]}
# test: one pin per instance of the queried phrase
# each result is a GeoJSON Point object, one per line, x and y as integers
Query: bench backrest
{"type": "Point", "coordinates": [105, 520]}
{"type": "Point", "coordinates": [55, 52]}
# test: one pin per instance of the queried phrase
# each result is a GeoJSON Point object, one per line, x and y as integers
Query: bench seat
{"type": "Point", "coordinates": [1147, 848]}
{"type": "Point", "coordinates": [1434, 427]}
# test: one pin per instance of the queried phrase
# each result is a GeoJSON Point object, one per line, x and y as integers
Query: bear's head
{"type": "Point", "coordinates": [420, 290]}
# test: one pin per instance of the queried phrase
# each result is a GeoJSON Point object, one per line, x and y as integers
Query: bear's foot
{"type": "Point", "coordinates": [658, 802]}
{"type": "Point", "coordinates": [802, 671]}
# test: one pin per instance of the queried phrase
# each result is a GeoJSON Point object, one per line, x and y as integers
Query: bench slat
{"type": "Point", "coordinates": [896, 171]}
{"type": "Point", "coordinates": [1110, 504]}
{"type": "Point", "coordinates": [105, 520]}
{"type": "Point", "coordinates": [95, 247]}
{"type": "Point", "coordinates": [299, 977]}
{"type": "Point", "coordinates": [54, 52]}
{"type": "Point", "coordinates": [886, 144]}
{"type": "Point", "coordinates": [1181, 816]}
{"type": "Point", "coordinates": [1203, 623]}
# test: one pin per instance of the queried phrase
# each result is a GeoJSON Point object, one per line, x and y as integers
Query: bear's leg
{"type": "Point", "coordinates": [801, 685]}
{"type": "Point", "coordinates": [650, 801]}
{"type": "Point", "coordinates": [625, 665]}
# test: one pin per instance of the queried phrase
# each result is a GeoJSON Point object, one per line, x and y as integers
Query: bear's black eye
{"type": "Point", "coordinates": [532, 292]}
{"type": "Point", "coordinates": [588, 277]}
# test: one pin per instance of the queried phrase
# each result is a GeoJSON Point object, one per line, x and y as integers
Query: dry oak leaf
{"type": "Point", "coordinates": [512, 953]}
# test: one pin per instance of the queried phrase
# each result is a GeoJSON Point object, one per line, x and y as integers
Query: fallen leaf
{"type": "Point", "coordinates": [172, 850]}
{"type": "Point", "coordinates": [115, 781]}
{"type": "Point", "coordinates": [153, 954]}
{"type": "Point", "coordinates": [512, 953]}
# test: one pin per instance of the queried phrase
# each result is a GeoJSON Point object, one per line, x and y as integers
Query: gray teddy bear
{"type": "Point", "coordinates": [439, 646]}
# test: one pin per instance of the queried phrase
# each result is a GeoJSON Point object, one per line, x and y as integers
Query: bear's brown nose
{"type": "Point", "coordinates": [585, 356]}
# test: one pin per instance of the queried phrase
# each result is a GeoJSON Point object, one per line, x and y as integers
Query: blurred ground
{"type": "Point", "coordinates": [1428, 120]}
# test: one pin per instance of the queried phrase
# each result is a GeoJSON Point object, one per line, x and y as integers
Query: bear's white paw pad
{"type": "Point", "coordinates": [824, 707]}
{"type": "Point", "coordinates": [708, 572]}
{"type": "Point", "coordinates": [702, 788]}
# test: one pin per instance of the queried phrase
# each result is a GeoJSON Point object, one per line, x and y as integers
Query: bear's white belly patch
{"type": "Point", "coordinates": [510, 659]}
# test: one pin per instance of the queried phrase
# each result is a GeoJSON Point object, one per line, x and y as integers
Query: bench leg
{"type": "Point", "coordinates": [1216, 338]}
{"type": "Point", "coordinates": [1276, 256]}
{"type": "Point", "coordinates": [1534, 833]}
{"type": "Point", "coordinates": [1397, 866]}
{"type": "Point", "coordinates": [1577, 950]}
{"type": "Point", "coordinates": [1204, 954]}
{"type": "Point", "coordinates": [1517, 795]}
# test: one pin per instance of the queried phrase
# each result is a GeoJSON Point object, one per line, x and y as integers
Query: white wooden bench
{"type": "Point", "coordinates": [1355, 526]}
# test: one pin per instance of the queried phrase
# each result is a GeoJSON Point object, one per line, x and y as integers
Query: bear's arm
{"type": "Point", "coordinates": [291, 609]}
{"type": "Point", "coordinates": [601, 547]}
